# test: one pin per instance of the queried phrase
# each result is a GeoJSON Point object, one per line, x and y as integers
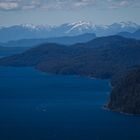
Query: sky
{"type": "Point", "coordinates": [56, 12]}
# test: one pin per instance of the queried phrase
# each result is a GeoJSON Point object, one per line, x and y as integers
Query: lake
{"type": "Point", "coordinates": [39, 106]}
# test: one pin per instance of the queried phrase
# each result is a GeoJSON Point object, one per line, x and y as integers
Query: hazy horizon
{"type": "Point", "coordinates": [45, 24]}
{"type": "Point", "coordinates": [57, 12]}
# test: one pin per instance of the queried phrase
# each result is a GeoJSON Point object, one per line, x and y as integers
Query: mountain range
{"type": "Point", "coordinates": [101, 57]}
{"type": "Point", "coordinates": [66, 40]}
{"type": "Point", "coordinates": [8, 51]}
{"type": "Point", "coordinates": [135, 35]}
{"type": "Point", "coordinates": [29, 31]}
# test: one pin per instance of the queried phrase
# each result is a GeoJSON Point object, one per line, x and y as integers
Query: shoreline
{"type": "Point", "coordinates": [90, 77]}
{"type": "Point", "coordinates": [120, 112]}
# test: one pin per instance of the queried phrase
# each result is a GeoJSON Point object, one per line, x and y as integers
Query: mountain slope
{"type": "Point", "coordinates": [125, 96]}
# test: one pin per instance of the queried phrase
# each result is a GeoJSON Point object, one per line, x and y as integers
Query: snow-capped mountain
{"type": "Point", "coordinates": [115, 28]}
{"type": "Point", "coordinates": [80, 27]}
{"type": "Point", "coordinates": [26, 31]}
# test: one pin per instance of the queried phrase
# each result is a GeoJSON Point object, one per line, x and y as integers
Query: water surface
{"type": "Point", "coordinates": [38, 106]}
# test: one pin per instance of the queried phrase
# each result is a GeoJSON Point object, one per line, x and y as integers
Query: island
{"type": "Point", "coordinates": [112, 57]}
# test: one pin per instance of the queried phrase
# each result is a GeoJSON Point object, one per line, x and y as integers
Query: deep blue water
{"type": "Point", "coordinates": [38, 106]}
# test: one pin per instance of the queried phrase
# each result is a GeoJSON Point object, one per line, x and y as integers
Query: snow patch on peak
{"type": "Point", "coordinates": [36, 27]}
{"type": "Point", "coordinates": [128, 24]}
{"type": "Point", "coordinates": [80, 23]}
{"type": "Point", "coordinates": [80, 26]}
{"type": "Point", "coordinates": [29, 26]}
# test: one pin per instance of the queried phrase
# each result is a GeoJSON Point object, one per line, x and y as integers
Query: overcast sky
{"type": "Point", "coordinates": [56, 12]}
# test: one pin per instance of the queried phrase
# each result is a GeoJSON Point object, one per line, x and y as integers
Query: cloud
{"type": "Point", "coordinates": [115, 4]}
{"type": "Point", "coordinates": [67, 4]}
{"type": "Point", "coordinates": [64, 4]}
{"type": "Point", "coordinates": [8, 5]}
